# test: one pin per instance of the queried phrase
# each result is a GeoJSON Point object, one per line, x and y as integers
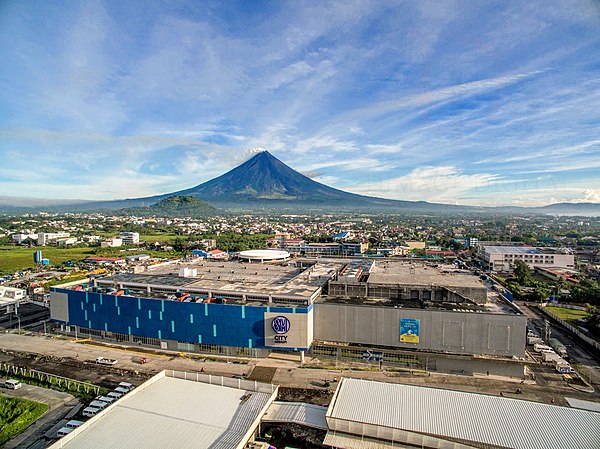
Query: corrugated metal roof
{"type": "Point", "coordinates": [297, 412]}
{"type": "Point", "coordinates": [174, 413]}
{"type": "Point", "coordinates": [347, 441]}
{"type": "Point", "coordinates": [584, 405]}
{"type": "Point", "coordinates": [500, 421]}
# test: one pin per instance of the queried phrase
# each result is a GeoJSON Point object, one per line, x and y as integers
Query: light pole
{"type": "Point", "coordinates": [19, 321]}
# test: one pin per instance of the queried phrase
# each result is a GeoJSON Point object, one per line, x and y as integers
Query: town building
{"type": "Point", "coordinates": [45, 238]}
{"type": "Point", "coordinates": [471, 242]}
{"type": "Point", "coordinates": [66, 241]}
{"type": "Point", "coordinates": [23, 236]}
{"type": "Point", "coordinates": [300, 247]}
{"type": "Point", "coordinates": [413, 244]}
{"type": "Point", "coordinates": [129, 238]}
{"type": "Point", "coordinates": [113, 242]}
{"type": "Point", "coordinates": [502, 258]}
{"type": "Point", "coordinates": [105, 260]}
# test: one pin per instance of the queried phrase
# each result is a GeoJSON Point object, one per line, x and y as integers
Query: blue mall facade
{"type": "Point", "coordinates": [183, 325]}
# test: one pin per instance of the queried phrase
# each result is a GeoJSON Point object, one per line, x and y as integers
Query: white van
{"type": "Point", "coordinates": [126, 385]}
{"type": "Point", "coordinates": [106, 399]}
{"type": "Point", "coordinates": [115, 394]}
{"type": "Point", "coordinates": [88, 412]}
{"type": "Point", "coordinates": [12, 384]}
{"type": "Point", "coordinates": [63, 431]}
{"type": "Point", "coordinates": [99, 404]}
{"type": "Point", "coordinates": [73, 424]}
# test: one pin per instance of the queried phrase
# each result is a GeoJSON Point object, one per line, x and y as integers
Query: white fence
{"type": "Point", "coordinates": [242, 384]}
{"type": "Point", "coordinates": [572, 329]}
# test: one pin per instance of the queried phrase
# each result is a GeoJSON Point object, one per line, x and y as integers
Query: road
{"type": "Point", "coordinates": [587, 364]}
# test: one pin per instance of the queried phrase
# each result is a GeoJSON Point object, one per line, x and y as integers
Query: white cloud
{"type": "Point", "coordinates": [591, 196]}
{"type": "Point", "coordinates": [444, 94]}
{"type": "Point", "coordinates": [435, 184]}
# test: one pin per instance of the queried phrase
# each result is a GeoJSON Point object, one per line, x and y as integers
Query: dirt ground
{"type": "Point", "coordinates": [76, 360]}
{"type": "Point", "coordinates": [292, 435]}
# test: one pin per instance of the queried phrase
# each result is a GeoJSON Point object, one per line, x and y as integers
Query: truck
{"type": "Point", "coordinates": [551, 356]}
{"type": "Point", "coordinates": [564, 368]}
{"type": "Point", "coordinates": [558, 347]}
{"type": "Point", "coordinates": [105, 361]}
{"type": "Point", "coordinates": [538, 347]}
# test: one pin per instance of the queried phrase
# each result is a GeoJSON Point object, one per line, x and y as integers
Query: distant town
{"type": "Point", "coordinates": [501, 298]}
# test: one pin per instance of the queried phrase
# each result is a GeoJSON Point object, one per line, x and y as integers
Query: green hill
{"type": "Point", "coordinates": [182, 206]}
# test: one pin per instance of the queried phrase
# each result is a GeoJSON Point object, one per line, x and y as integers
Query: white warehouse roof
{"type": "Point", "coordinates": [173, 412]}
{"type": "Point", "coordinates": [419, 415]}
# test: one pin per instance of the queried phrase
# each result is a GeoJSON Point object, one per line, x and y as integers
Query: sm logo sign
{"type": "Point", "coordinates": [280, 324]}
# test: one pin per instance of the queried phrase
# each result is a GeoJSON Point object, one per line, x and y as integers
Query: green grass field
{"type": "Point", "coordinates": [567, 314]}
{"type": "Point", "coordinates": [14, 258]}
{"type": "Point", "coordinates": [162, 238]}
{"type": "Point", "coordinates": [16, 415]}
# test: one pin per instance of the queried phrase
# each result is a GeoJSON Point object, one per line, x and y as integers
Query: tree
{"type": "Point", "coordinates": [179, 244]}
{"type": "Point", "coordinates": [587, 291]}
{"type": "Point", "coordinates": [540, 293]}
{"type": "Point", "coordinates": [522, 272]}
{"type": "Point", "coordinates": [514, 288]}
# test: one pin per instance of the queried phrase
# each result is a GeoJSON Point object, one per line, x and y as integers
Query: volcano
{"type": "Point", "coordinates": [263, 181]}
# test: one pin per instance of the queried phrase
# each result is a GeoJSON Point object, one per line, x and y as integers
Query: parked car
{"type": "Point", "coordinates": [63, 431]}
{"type": "Point", "coordinates": [11, 384]}
{"type": "Point", "coordinates": [88, 412]}
{"type": "Point", "coordinates": [126, 385]}
{"type": "Point", "coordinates": [105, 361]}
{"type": "Point", "coordinates": [115, 394]}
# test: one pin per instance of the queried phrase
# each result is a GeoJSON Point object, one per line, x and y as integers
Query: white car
{"type": "Point", "coordinates": [12, 384]}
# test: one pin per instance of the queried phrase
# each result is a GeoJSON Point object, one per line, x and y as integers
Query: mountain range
{"type": "Point", "coordinates": [263, 182]}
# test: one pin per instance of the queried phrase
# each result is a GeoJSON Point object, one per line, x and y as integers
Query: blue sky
{"type": "Point", "coordinates": [483, 103]}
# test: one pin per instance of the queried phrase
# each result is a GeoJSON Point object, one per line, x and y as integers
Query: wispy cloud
{"type": "Point", "coordinates": [444, 183]}
{"type": "Point", "coordinates": [375, 96]}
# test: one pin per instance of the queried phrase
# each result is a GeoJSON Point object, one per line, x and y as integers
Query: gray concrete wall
{"type": "Point", "coordinates": [59, 306]}
{"type": "Point", "coordinates": [404, 292]}
{"type": "Point", "coordinates": [456, 332]}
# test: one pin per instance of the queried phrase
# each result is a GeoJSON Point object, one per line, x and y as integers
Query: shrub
{"type": "Point", "coordinates": [16, 415]}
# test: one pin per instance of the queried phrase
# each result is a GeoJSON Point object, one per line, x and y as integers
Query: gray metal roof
{"type": "Point", "coordinates": [169, 412]}
{"type": "Point", "coordinates": [512, 250]}
{"type": "Point", "coordinates": [297, 412]}
{"type": "Point", "coordinates": [584, 405]}
{"type": "Point", "coordinates": [467, 417]}
{"type": "Point", "coordinates": [349, 441]}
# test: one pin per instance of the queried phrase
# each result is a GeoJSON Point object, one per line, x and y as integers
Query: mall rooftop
{"type": "Point", "coordinates": [232, 281]}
